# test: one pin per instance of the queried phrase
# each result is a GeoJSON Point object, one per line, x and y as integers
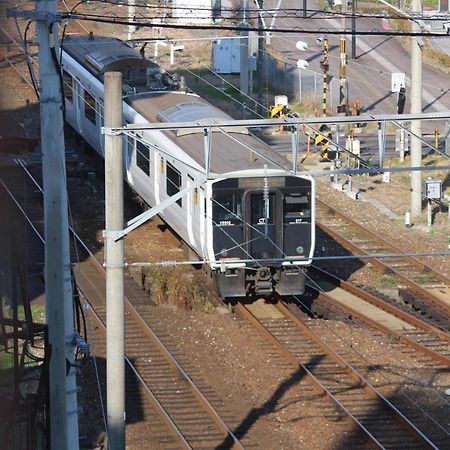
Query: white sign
{"type": "Point", "coordinates": [398, 80]}
{"type": "Point", "coordinates": [434, 189]}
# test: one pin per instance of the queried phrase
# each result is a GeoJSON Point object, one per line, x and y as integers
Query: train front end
{"type": "Point", "coordinates": [263, 234]}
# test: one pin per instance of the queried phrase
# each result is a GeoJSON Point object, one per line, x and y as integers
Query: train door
{"type": "Point", "coordinates": [78, 92]}
{"type": "Point", "coordinates": [190, 210]}
{"type": "Point", "coordinates": [263, 224]}
{"type": "Point", "coordinates": [202, 218]}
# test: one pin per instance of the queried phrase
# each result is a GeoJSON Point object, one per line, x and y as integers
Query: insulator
{"type": "Point", "coordinates": [169, 263]}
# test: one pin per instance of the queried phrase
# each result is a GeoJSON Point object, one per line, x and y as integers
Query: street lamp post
{"type": "Point", "coordinates": [301, 64]}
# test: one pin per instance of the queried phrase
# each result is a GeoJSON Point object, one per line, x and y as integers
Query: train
{"type": "Point", "coordinates": [252, 223]}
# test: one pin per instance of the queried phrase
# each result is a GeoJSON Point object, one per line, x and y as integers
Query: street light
{"type": "Point", "coordinates": [300, 45]}
{"type": "Point", "coordinates": [301, 64]}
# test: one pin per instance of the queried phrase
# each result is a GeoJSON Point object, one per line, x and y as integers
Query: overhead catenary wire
{"type": "Point", "coordinates": [149, 23]}
{"type": "Point", "coordinates": [315, 14]}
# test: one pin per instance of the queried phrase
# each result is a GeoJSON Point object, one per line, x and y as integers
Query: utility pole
{"type": "Point", "coordinates": [416, 108]}
{"type": "Point", "coordinates": [58, 285]}
{"type": "Point", "coordinates": [325, 66]}
{"type": "Point", "coordinates": [115, 328]}
{"type": "Point", "coordinates": [343, 88]}
{"type": "Point", "coordinates": [261, 60]}
{"type": "Point", "coordinates": [243, 77]}
{"type": "Point", "coordinates": [131, 18]}
{"type": "Point", "coordinates": [353, 29]}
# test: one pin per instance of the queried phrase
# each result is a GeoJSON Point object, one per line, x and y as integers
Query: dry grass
{"type": "Point", "coordinates": [175, 286]}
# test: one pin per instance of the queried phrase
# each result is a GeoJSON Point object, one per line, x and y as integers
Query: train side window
{"type": "Point", "coordinates": [227, 208]}
{"type": "Point", "coordinates": [143, 157]}
{"type": "Point", "coordinates": [68, 86]}
{"type": "Point", "coordinates": [296, 208]}
{"type": "Point", "coordinates": [89, 107]}
{"type": "Point", "coordinates": [173, 181]}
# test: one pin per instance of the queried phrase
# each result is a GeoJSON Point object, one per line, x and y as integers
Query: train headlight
{"type": "Point", "coordinates": [224, 252]}
{"type": "Point", "coordinates": [300, 250]}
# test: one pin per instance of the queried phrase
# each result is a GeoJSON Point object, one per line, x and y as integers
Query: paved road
{"type": "Point", "coordinates": [369, 76]}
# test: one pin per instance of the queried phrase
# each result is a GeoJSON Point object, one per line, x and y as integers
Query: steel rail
{"type": "Point", "coordinates": [415, 288]}
{"type": "Point", "coordinates": [160, 410]}
{"type": "Point", "coordinates": [157, 406]}
{"type": "Point", "coordinates": [247, 315]}
{"type": "Point", "coordinates": [372, 390]}
{"type": "Point", "coordinates": [381, 304]}
{"type": "Point", "coordinates": [209, 409]}
{"type": "Point", "coordinates": [11, 63]}
{"type": "Point", "coordinates": [386, 243]}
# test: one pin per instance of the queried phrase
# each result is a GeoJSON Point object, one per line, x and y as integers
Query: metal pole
{"type": "Point", "coordinates": [261, 60]}
{"type": "Point", "coordinates": [353, 29]}
{"type": "Point", "coordinates": [58, 286]}
{"type": "Point", "coordinates": [416, 107]}
{"type": "Point", "coordinates": [295, 145]}
{"type": "Point", "coordinates": [299, 84]}
{"type": "Point", "coordinates": [243, 77]}
{"type": "Point", "coordinates": [447, 138]}
{"type": "Point", "coordinates": [342, 105]}
{"type": "Point", "coordinates": [115, 336]}
{"type": "Point", "coordinates": [305, 9]}
{"type": "Point", "coordinates": [325, 67]}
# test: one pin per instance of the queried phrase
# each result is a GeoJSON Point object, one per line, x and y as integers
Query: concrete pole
{"type": "Point", "coordinates": [58, 286]}
{"type": "Point", "coordinates": [131, 18]}
{"type": "Point", "coordinates": [416, 108]}
{"type": "Point", "coordinates": [261, 61]}
{"type": "Point", "coordinates": [115, 333]}
{"type": "Point", "coordinates": [343, 95]}
{"type": "Point", "coordinates": [243, 77]}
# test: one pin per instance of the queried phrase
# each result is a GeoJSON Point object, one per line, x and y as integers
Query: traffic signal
{"type": "Point", "coordinates": [401, 100]}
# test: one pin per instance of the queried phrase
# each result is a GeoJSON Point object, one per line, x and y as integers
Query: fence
{"type": "Point", "coordinates": [300, 85]}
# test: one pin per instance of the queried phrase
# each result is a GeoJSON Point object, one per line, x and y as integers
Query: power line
{"type": "Point", "coordinates": [120, 20]}
{"type": "Point", "coordinates": [315, 14]}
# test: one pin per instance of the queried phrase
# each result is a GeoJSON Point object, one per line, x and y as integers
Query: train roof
{"type": "Point", "coordinates": [100, 54]}
{"type": "Point", "coordinates": [103, 54]}
{"type": "Point", "coordinates": [154, 101]}
{"type": "Point", "coordinates": [230, 150]}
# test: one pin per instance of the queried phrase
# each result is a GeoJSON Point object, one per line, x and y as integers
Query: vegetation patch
{"type": "Point", "coordinates": [174, 286]}
{"type": "Point", "coordinates": [387, 281]}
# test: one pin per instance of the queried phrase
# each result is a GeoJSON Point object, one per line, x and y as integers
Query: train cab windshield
{"type": "Point", "coordinates": [227, 208]}
{"type": "Point", "coordinates": [297, 208]}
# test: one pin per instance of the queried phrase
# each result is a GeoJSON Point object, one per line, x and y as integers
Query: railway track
{"type": "Point", "coordinates": [334, 294]}
{"type": "Point", "coordinates": [379, 422]}
{"type": "Point", "coordinates": [420, 286]}
{"type": "Point", "coordinates": [136, 340]}
{"type": "Point", "coordinates": [155, 378]}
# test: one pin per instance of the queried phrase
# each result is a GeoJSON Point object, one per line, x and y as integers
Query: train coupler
{"type": "Point", "coordinates": [264, 282]}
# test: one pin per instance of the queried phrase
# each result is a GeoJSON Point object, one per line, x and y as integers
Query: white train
{"type": "Point", "coordinates": [249, 226]}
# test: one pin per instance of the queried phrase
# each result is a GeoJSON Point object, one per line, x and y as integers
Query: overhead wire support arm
{"type": "Point", "coordinates": [147, 215]}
